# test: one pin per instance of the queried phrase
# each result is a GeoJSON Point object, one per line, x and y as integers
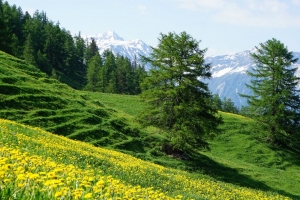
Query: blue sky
{"type": "Point", "coordinates": [223, 26]}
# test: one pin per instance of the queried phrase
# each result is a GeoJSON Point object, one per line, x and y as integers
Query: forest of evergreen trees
{"type": "Point", "coordinates": [71, 59]}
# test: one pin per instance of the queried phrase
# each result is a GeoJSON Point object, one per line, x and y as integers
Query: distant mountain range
{"type": "Point", "coordinates": [127, 48]}
{"type": "Point", "coordinates": [228, 71]}
{"type": "Point", "coordinates": [229, 75]}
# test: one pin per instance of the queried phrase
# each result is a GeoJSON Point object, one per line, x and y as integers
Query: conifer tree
{"type": "Point", "coordinates": [275, 99]}
{"type": "Point", "coordinates": [177, 101]}
{"type": "Point", "coordinates": [29, 53]}
{"type": "Point", "coordinates": [139, 76]}
{"type": "Point", "coordinates": [106, 74]}
{"type": "Point", "coordinates": [217, 102]}
{"type": "Point", "coordinates": [122, 75]}
{"type": "Point", "coordinates": [79, 52]}
{"type": "Point", "coordinates": [43, 63]}
{"type": "Point", "coordinates": [5, 35]}
{"type": "Point", "coordinates": [228, 106]}
{"type": "Point", "coordinates": [93, 74]}
{"type": "Point", "coordinates": [91, 50]}
{"type": "Point", "coordinates": [112, 84]}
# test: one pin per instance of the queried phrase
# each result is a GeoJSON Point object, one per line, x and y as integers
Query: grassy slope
{"type": "Point", "coordinates": [59, 168]}
{"type": "Point", "coordinates": [28, 96]}
{"type": "Point", "coordinates": [239, 155]}
{"type": "Point", "coordinates": [243, 147]}
{"type": "Point", "coordinates": [236, 156]}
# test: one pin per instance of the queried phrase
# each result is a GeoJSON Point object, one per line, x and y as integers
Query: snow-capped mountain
{"type": "Point", "coordinates": [229, 75]}
{"type": "Point", "coordinates": [127, 48]}
{"type": "Point", "coordinates": [228, 71]}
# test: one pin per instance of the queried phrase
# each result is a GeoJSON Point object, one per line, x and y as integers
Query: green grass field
{"type": "Point", "coordinates": [35, 164]}
{"type": "Point", "coordinates": [239, 155]}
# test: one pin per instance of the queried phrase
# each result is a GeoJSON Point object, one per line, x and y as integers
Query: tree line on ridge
{"type": "Point", "coordinates": [54, 50]}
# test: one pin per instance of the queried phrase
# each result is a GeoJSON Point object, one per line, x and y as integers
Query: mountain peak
{"type": "Point", "coordinates": [110, 36]}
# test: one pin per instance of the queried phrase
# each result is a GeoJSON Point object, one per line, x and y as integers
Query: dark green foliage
{"type": "Point", "coordinates": [80, 49]}
{"type": "Point", "coordinates": [114, 75]}
{"type": "Point", "coordinates": [44, 64]}
{"type": "Point", "coordinates": [42, 43]}
{"type": "Point", "coordinates": [93, 73]}
{"type": "Point", "coordinates": [217, 102]}
{"type": "Point", "coordinates": [92, 50]}
{"type": "Point", "coordinates": [108, 81]}
{"type": "Point", "coordinates": [5, 35]}
{"type": "Point", "coordinates": [228, 106]}
{"type": "Point", "coordinates": [177, 101]}
{"type": "Point", "coordinates": [29, 52]}
{"type": "Point", "coordinates": [275, 100]}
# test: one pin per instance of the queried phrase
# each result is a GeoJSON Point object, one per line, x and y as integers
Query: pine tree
{"type": "Point", "coordinates": [29, 53]}
{"type": "Point", "coordinates": [139, 76]}
{"type": "Point", "coordinates": [112, 83]}
{"type": "Point", "coordinates": [93, 74]}
{"type": "Point", "coordinates": [91, 50]}
{"type": "Point", "coordinates": [68, 53]}
{"type": "Point", "coordinates": [129, 74]}
{"type": "Point", "coordinates": [79, 52]}
{"type": "Point", "coordinates": [228, 106]}
{"type": "Point", "coordinates": [177, 101]}
{"type": "Point", "coordinates": [275, 100]}
{"type": "Point", "coordinates": [5, 34]}
{"type": "Point", "coordinates": [43, 63]}
{"type": "Point", "coordinates": [121, 74]}
{"type": "Point", "coordinates": [217, 102]}
{"type": "Point", "coordinates": [106, 74]}
{"type": "Point", "coordinates": [13, 16]}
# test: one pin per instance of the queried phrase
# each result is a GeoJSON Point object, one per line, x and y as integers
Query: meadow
{"type": "Point", "coordinates": [83, 137]}
{"type": "Point", "coordinates": [36, 164]}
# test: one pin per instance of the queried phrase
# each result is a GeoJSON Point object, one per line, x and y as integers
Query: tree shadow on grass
{"type": "Point", "coordinates": [288, 150]}
{"type": "Point", "coordinates": [205, 165]}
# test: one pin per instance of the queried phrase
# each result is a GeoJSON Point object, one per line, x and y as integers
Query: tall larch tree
{"type": "Point", "coordinates": [275, 99]}
{"type": "Point", "coordinates": [176, 98]}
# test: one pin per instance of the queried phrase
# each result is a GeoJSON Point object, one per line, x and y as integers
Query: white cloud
{"type": "Point", "coordinates": [142, 9]}
{"type": "Point", "coordinates": [297, 2]}
{"type": "Point", "coordinates": [254, 13]}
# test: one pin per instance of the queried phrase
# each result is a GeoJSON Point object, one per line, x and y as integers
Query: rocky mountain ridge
{"type": "Point", "coordinates": [127, 48]}
{"type": "Point", "coordinates": [228, 71]}
{"type": "Point", "coordinates": [229, 76]}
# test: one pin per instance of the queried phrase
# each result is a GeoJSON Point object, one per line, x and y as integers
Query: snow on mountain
{"type": "Point", "coordinates": [229, 76]}
{"type": "Point", "coordinates": [228, 71]}
{"type": "Point", "coordinates": [107, 37]}
{"type": "Point", "coordinates": [127, 48]}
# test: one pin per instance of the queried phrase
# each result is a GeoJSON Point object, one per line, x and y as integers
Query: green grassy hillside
{"type": "Point", "coordinates": [35, 164]}
{"type": "Point", "coordinates": [238, 155]}
{"type": "Point", "coordinates": [28, 96]}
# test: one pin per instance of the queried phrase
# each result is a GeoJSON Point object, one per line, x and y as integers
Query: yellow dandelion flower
{"type": "Point", "coordinates": [6, 180]}
{"type": "Point", "coordinates": [20, 185]}
{"type": "Point", "coordinates": [58, 194]}
{"type": "Point", "coordinates": [21, 177]}
{"type": "Point", "coordinates": [88, 195]}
